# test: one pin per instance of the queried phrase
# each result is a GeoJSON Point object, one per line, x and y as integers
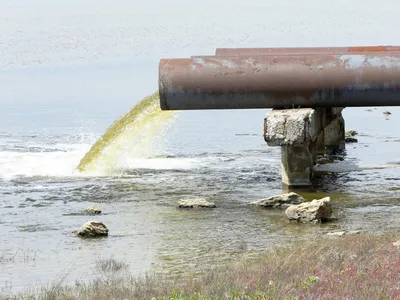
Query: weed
{"type": "Point", "coordinates": [352, 267]}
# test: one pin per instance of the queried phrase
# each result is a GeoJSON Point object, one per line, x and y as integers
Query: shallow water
{"type": "Point", "coordinates": [67, 72]}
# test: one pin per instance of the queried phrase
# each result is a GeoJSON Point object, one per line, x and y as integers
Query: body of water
{"type": "Point", "coordinates": [68, 70]}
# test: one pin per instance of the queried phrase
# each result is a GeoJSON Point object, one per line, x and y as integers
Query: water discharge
{"type": "Point", "coordinates": [130, 136]}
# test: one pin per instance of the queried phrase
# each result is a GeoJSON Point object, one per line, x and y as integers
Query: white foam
{"type": "Point", "coordinates": [63, 163]}
{"type": "Point", "coordinates": [162, 163]}
{"type": "Point", "coordinates": [57, 163]}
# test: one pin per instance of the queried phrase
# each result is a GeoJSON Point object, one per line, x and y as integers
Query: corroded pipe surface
{"type": "Point", "coordinates": [304, 50]}
{"type": "Point", "coordinates": [343, 80]}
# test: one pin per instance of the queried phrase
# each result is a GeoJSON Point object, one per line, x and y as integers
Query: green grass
{"type": "Point", "coordinates": [349, 267]}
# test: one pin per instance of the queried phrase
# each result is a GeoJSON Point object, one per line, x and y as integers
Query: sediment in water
{"type": "Point", "coordinates": [131, 134]}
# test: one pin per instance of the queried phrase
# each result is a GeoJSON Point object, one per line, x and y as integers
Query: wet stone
{"type": "Point", "coordinates": [325, 160]}
{"type": "Point", "coordinates": [92, 211]}
{"type": "Point", "coordinates": [279, 201]}
{"type": "Point", "coordinates": [350, 133]}
{"type": "Point", "coordinates": [42, 204]}
{"type": "Point", "coordinates": [350, 140]}
{"type": "Point", "coordinates": [195, 203]}
{"type": "Point", "coordinates": [315, 211]}
{"type": "Point", "coordinates": [349, 136]}
{"type": "Point", "coordinates": [92, 229]}
{"type": "Point", "coordinates": [336, 233]}
{"type": "Point", "coordinates": [342, 233]}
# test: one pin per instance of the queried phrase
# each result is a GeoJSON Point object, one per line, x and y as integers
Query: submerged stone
{"type": "Point", "coordinates": [349, 136]}
{"type": "Point", "coordinates": [350, 133]}
{"type": "Point", "coordinates": [342, 233]}
{"type": "Point", "coordinates": [92, 229]}
{"type": "Point", "coordinates": [279, 201]}
{"type": "Point", "coordinates": [195, 202]}
{"type": "Point", "coordinates": [92, 211]}
{"type": "Point", "coordinates": [351, 140]}
{"type": "Point", "coordinates": [315, 211]}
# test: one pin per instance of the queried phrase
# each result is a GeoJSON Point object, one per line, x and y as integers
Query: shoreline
{"type": "Point", "coordinates": [329, 268]}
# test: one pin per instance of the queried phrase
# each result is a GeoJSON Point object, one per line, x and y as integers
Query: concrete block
{"type": "Point", "coordinates": [291, 127]}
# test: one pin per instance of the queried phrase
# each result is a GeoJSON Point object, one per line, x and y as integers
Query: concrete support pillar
{"type": "Point", "coordinates": [297, 165]}
{"type": "Point", "coordinates": [334, 134]}
{"type": "Point", "coordinates": [331, 136]}
{"type": "Point", "coordinates": [302, 134]}
{"type": "Point", "coordinates": [296, 132]}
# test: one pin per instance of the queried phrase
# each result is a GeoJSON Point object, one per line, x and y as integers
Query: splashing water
{"type": "Point", "coordinates": [130, 136]}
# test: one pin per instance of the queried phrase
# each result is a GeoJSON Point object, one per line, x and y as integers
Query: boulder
{"type": "Point", "coordinates": [92, 211]}
{"type": "Point", "coordinates": [92, 229]}
{"type": "Point", "coordinates": [315, 211]}
{"type": "Point", "coordinates": [279, 201]}
{"type": "Point", "coordinates": [349, 136]}
{"type": "Point", "coordinates": [195, 203]}
{"type": "Point", "coordinates": [350, 133]}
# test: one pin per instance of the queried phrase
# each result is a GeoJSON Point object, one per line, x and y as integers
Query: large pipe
{"type": "Point", "coordinates": [343, 80]}
{"type": "Point", "coordinates": [304, 50]}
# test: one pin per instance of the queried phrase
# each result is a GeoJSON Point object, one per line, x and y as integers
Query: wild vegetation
{"type": "Point", "coordinates": [348, 267]}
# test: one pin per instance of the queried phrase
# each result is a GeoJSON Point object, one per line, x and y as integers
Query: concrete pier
{"type": "Point", "coordinates": [302, 134]}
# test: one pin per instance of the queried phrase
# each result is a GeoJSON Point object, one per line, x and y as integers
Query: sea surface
{"type": "Point", "coordinates": [68, 69]}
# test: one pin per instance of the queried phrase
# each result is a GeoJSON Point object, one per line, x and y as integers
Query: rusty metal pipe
{"type": "Point", "coordinates": [280, 81]}
{"type": "Point", "coordinates": [304, 50]}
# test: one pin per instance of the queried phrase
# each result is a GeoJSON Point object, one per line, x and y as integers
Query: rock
{"type": "Point", "coordinates": [350, 133]}
{"type": "Point", "coordinates": [92, 229]}
{"type": "Point", "coordinates": [195, 203]}
{"type": "Point", "coordinates": [315, 211]}
{"type": "Point", "coordinates": [279, 201]}
{"type": "Point", "coordinates": [350, 140]}
{"type": "Point", "coordinates": [336, 233]}
{"type": "Point", "coordinates": [325, 160]}
{"type": "Point", "coordinates": [92, 211]}
{"type": "Point", "coordinates": [354, 232]}
{"type": "Point", "coordinates": [349, 136]}
{"type": "Point", "coordinates": [342, 233]}
{"type": "Point", "coordinates": [397, 244]}
{"type": "Point", "coordinates": [387, 112]}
